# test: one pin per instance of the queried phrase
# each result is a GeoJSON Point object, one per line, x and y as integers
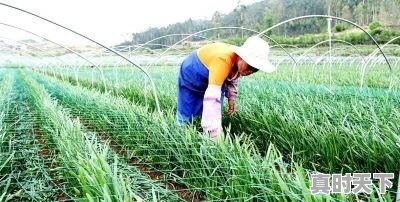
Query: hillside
{"type": "Point", "coordinates": [263, 14]}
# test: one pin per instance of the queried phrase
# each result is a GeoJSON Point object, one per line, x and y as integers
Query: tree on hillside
{"type": "Point", "coordinates": [267, 13]}
{"type": "Point", "coordinates": [216, 19]}
{"type": "Point", "coordinates": [239, 13]}
{"type": "Point", "coordinates": [346, 12]}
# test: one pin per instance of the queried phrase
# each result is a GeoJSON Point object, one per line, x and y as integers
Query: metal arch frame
{"type": "Point", "coordinates": [286, 45]}
{"type": "Point", "coordinates": [170, 47]}
{"type": "Point", "coordinates": [373, 54]}
{"type": "Point", "coordinates": [130, 46]}
{"type": "Point", "coordinates": [329, 40]}
{"type": "Point", "coordinates": [130, 54]}
{"type": "Point", "coordinates": [159, 44]}
{"type": "Point", "coordinates": [14, 52]}
{"type": "Point", "coordinates": [31, 52]}
{"type": "Point", "coordinates": [36, 48]}
{"type": "Point", "coordinates": [393, 44]}
{"type": "Point", "coordinates": [334, 40]}
{"type": "Point", "coordinates": [383, 46]}
{"type": "Point", "coordinates": [218, 28]}
{"type": "Point", "coordinates": [330, 71]}
{"type": "Point", "coordinates": [391, 40]}
{"type": "Point", "coordinates": [7, 57]}
{"type": "Point", "coordinates": [161, 37]}
{"type": "Point", "coordinates": [326, 53]}
{"type": "Point", "coordinates": [197, 34]}
{"type": "Point", "coordinates": [162, 53]}
{"type": "Point", "coordinates": [299, 50]}
{"type": "Point", "coordinates": [98, 43]}
{"type": "Point", "coordinates": [179, 52]}
{"type": "Point", "coordinates": [330, 51]}
{"type": "Point", "coordinates": [45, 38]}
{"type": "Point", "coordinates": [138, 46]}
{"type": "Point", "coordinates": [152, 82]}
{"type": "Point", "coordinates": [60, 45]}
{"type": "Point", "coordinates": [331, 17]}
{"type": "Point", "coordinates": [202, 31]}
{"type": "Point", "coordinates": [351, 62]}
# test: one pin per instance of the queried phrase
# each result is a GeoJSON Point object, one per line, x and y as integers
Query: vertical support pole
{"type": "Point", "coordinates": [77, 75]}
{"type": "Point", "coordinates": [92, 72]}
{"type": "Point", "coordinates": [330, 49]}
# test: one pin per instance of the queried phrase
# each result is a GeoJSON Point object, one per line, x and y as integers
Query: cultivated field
{"type": "Point", "coordinates": [67, 134]}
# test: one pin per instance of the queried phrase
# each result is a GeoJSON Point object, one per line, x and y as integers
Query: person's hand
{"type": "Point", "coordinates": [215, 134]}
{"type": "Point", "coordinates": [232, 107]}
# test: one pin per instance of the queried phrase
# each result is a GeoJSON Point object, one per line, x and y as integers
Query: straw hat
{"type": "Point", "coordinates": [255, 52]}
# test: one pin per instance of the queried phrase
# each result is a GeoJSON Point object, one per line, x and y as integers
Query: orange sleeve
{"type": "Point", "coordinates": [219, 70]}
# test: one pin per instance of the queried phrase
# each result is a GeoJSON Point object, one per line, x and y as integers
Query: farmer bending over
{"type": "Point", "coordinates": [212, 71]}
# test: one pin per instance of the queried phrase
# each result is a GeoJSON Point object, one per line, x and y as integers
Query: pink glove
{"type": "Point", "coordinates": [211, 117]}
